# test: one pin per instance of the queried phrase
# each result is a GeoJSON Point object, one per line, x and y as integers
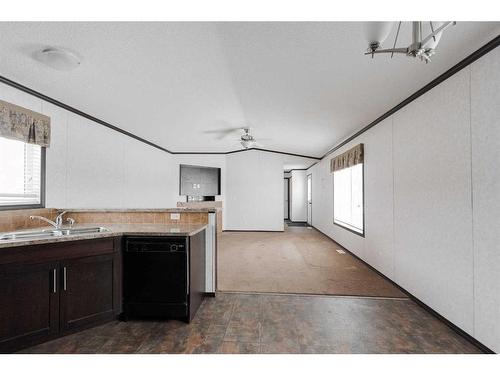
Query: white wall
{"type": "Point", "coordinates": [432, 193]}
{"type": "Point", "coordinates": [254, 191]}
{"type": "Point", "coordinates": [432, 199]}
{"type": "Point", "coordinates": [298, 196]}
{"type": "Point", "coordinates": [91, 166]}
{"type": "Point", "coordinates": [485, 119]}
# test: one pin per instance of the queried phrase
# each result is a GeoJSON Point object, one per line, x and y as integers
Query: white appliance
{"type": "Point", "coordinates": [210, 262]}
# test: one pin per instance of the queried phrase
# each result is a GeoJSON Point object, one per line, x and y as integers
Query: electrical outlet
{"type": "Point", "coordinates": [176, 216]}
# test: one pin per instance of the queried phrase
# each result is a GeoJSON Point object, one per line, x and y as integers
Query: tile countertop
{"type": "Point", "coordinates": [114, 231]}
{"type": "Point", "coordinates": [173, 210]}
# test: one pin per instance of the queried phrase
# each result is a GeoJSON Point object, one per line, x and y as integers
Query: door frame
{"type": "Point", "coordinates": [309, 205]}
{"type": "Point", "coordinates": [288, 197]}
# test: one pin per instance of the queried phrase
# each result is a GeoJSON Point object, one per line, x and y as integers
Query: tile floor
{"type": "Point", "coordinates": [271, 323]}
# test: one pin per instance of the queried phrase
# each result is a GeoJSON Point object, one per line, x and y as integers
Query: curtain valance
{"type": "Point", "coordinates": [347, 159]}
{"type": "Point", "coordinates": [24, 125]}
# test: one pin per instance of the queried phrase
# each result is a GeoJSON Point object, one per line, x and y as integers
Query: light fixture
{"type": "Point", "coordinates": [58, 58]}
{"type": "Point", "coordinates": [421, 47]}
{"type": "Point", "coordinates": [377, 32]}
{"type": "Point", "coordinates": [248, 144]}
{"type": "Point", "coordinates": [247, 140]}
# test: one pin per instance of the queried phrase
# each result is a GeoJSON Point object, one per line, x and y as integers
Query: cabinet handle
{"type": "Point", "coordinates": [64, 278]}
{"type": "Point", "coordinates": [187, 273]}
{"type": "Point", "coordinates": [54, 280]}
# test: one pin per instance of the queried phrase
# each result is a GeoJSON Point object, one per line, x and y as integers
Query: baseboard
{"type": "Point", "coordinates": [253, 230]}
{"type": "Point", "coordinates": [209, 294]}
{"type": "Point", "coordinates": [429, 309]}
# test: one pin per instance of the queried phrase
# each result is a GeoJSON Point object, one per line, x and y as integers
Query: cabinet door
{"type": "Point", "coordinates": [86, 291]}
{"type": "Point", "coordinates": [29, 304]}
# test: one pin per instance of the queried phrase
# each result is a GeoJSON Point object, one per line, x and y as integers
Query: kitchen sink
{"type": "Point", "coordinates": [84, 230]}
{"type": "Point", "coordinates": [44, 233]}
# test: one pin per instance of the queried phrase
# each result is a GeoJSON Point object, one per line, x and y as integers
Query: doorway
{"type": "Point", "coordinates": [309, 199]}
{"type": "Point", "coordinates": [286, 194]}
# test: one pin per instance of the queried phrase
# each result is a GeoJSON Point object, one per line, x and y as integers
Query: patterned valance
{"type": "Point", "coordinates": [24, 125]}
{"type": "Point", "coordinates": [348, 159]}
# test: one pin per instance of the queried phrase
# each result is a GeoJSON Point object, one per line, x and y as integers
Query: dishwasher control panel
{"type": "Point", "coordinates": [169, 244]}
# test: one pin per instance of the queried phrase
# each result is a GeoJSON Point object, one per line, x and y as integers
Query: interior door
{"type": "Point", "coordinates": [286, 195]}
{"type": "Point", "coordinates": [309, 199]}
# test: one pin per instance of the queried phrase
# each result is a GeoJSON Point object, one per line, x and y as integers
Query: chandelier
{"type": "Point", "coordinates": [421, 47]}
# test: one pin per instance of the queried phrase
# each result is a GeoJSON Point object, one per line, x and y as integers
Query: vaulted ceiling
{"type": "Point", "coordinates": [301, 87]}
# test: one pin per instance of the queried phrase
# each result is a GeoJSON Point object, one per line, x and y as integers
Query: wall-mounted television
{"type": "Point", "coordinates": [199, 183]}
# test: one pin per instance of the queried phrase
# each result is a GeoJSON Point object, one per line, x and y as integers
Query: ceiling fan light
{"type": "Point", "coordinates": [58, 58]}
{"type": "Point", "coordinates": [377, 32]}
{"type": "Point", "coordinates": [248, 143]}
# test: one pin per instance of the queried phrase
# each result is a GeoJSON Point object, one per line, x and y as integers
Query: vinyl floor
{"type": "Point", "coordinates": [269, 323]}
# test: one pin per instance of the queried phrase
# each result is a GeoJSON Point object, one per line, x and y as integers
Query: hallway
{"type": "Point", "coordinates": [298, 260]}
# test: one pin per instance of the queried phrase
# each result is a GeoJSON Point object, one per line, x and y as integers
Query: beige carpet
{"type": "Point", "coordinates": [299, 260]}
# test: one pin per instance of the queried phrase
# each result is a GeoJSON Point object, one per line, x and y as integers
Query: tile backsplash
{"type": "Point", "coordinates": [11, 220]}
{"type": "Point", "coordinates": [137, 217]}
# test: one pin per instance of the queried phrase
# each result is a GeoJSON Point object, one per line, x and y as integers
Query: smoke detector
{"type": "Point", "coordinates": [58, 58]}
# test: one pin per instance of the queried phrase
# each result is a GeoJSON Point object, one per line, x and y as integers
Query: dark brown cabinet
{"type": "Point", "coordinates": [86, 291]}
{"type": "Point", "coordinates": [48, 291]}
{"type": "Point", "coordinates": [29, 304]}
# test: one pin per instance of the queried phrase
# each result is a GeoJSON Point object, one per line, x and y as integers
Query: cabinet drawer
{"type": "Point", "coordinates": [57, 250]}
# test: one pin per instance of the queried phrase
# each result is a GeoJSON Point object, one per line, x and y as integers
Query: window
{"type": "Point", "coordinates": [21, 177]}
{"type": "Point", "coordinates": [348, 198]}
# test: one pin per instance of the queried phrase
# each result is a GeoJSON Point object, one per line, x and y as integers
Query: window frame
{"type": "Point", "coordinates": [361, 234]}
{"type": "Point", "coordinates": [42, 188]}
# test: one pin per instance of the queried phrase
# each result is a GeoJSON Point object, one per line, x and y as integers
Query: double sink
{"type": "Point", "coordinates": [55, 232]}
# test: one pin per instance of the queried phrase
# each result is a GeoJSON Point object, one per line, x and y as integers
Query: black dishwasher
{"type": "Point", "coordinates": [156, 277]}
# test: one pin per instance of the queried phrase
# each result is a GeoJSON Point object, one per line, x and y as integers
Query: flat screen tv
{"type": "Point", "coordinates": [198, 181]}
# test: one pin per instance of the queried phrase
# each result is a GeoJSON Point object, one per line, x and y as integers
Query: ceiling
{"type": "Point", "coordinates": [301, 86]}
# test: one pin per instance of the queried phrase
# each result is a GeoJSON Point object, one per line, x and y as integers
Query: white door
{"type": "Point", "coordinates": [309, 199]}
{"type": "Point", "coordinates": [285, 192]}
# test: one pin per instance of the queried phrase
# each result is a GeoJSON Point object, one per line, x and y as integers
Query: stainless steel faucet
{"type": "Point", "coordinates": [59, 219]}
{"type": "Point", "coordinates": [57, 223]}
{"type": "Point", "coordinates": [33, 217]}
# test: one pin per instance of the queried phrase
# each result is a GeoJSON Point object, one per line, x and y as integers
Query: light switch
{"type": "Point", "coordinates": [176, 216]}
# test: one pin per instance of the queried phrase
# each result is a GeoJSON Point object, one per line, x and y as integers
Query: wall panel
{"type": "Point", "coordinates": [432, 199]}
{"type": "Point", "coordinates": [485, 121]}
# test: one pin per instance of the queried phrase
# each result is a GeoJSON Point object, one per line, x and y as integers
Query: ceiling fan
{"type": "Point", "coordinates": [246, 139]}
{"type": "Point", "coordinates": [421, 47]}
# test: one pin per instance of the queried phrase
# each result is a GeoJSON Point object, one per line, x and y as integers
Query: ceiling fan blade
{"type": "Point", "coordinates": [222, 133]}
{"type": "Point", "coordinates": [388, 50]}
{"type": "Point", "coordinates": [265, 139]}
{"type": "Point", "coordinates": [435, 33]}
